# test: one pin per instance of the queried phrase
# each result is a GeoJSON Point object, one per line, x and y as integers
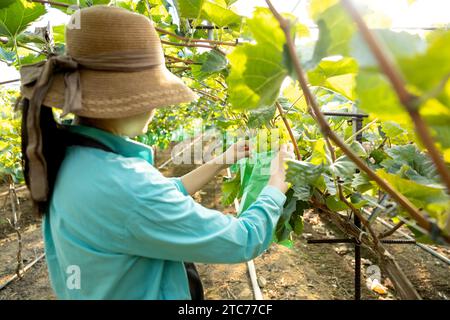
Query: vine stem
{"type": "Point", "coordinates": [409, 101]}
{"type": "Point", "coordinates": [349, 139]}
{"type": "Point", "coordinates": [16, 49]}
{"type": "Point", "coordinates": [215, 98]}
{"type": "Point", "coordinates": [191, 45]}
{"type": "Point", "coordinates": [188, 42]}
{"type": "Point", "coordinates": [392, 230]}
{"type": "Point", "coordinates": [289, 129]}
{"type": "Point", "coordinates": [172, 59]}
{"type": "Point", "coordinates": [14, 222]}
{"type": "Point", "coordinates": [328, 132]}
{"type": "Point", "coordinates": [31, 49]}
{"type": "Point", "coordinates": [9, 81]}
{"type": "Point", "coordinates": [53, 3]}
{"type": "Point", "coordinates": [348, 203]}
{"type": "Point", "coordinates": [160, 30]}
{"type": "Point", "coordinates": [222, 43]}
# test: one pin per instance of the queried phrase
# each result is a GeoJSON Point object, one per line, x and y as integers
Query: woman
{"type": "Point", "coordinates": [114, 227]}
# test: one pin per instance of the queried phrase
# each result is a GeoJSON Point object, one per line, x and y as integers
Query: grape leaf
{"type": "Point", "coordinates": [208, 10]}
{"type": "Point", "coordinates": [419, 194]}
{"type": "Point", "coordinates": [433, 64]}
{"type": "Point", "coordinates": [214, 62]}
{"type": "Point", "coordinates": [59, 33]}
{"type": "Point", "coordinates": [230, 189]}
{"type": "Point", "coordinates": [18, 16]}
{"type": "Point", "coordinates": [74, 4]}
{"type": "Point", "coordinates": [335, 204]}
{"type": "Point", "coordinates": [376, 97]}
{"type": "Point", "coordinates": [392, 129]}
{"type": "Point", "coordinates": [335, 31]}
{"type": "Point", "coordinates": [378, 155]}
{"type": "Point", "coordinates": [303, 173]}
{"type": "Point", "coordinates": [419, 166]}
{"type": "Point", "coordinates": [343, 167]}
{"type": "Point", "coordinates": [291, 219]}
{"type": "Point", "coordinates": [189, 8]}
{"type": "Point", "coordinates": [398, 44]}
{"type": "Point", "coordinates": [32, 58]}
{"type": "Point", "coordinates": [374, 90]}
{"type": "Point", "coordinates": [361, 182]}
{"type": "Point", "coordinates": [358, 149]}
{"type": "Point", "coordinates": [317, 7]}
{"type": "Point", "coordinates": [437, 117]}
{"type": "Point", "coordinates": [302, 192]}
{"type": "Point", "coordinates": [261, 116]}
{"type": "Point", "coordinates": [221, 16]}
{"type": "Point", "coordinates": [230, 2]}
{"type": "Point", "coordinates": [303, 176]}
{"type": "Point", "coordinates": [337, 75]}
{"type": "Point", "coordinates": [210, 62]}
{"type": "Point", "coordinates": [6, 3]}
{"type": "Point", "coordinates": [257, 71]}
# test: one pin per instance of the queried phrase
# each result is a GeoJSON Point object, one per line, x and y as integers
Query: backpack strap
{"type": "Point", "coordinates": [75, 139]}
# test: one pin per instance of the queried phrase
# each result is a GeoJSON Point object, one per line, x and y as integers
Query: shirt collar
{"type": "Point", "coordinates": [118, 144]}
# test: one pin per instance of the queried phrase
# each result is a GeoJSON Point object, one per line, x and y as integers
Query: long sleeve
{"type": "Point", "coordinates": [167, 224]}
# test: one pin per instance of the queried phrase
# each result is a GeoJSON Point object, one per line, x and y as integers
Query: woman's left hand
{"type": "Point", "coordinates": [236, 152]}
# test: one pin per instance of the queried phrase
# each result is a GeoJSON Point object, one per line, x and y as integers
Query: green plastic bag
{"type": "Point", "coordinates": [255, 174]}
{"type": "Point", "coordinates": [251, 177]}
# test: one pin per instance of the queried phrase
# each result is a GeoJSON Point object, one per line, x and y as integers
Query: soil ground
{"type": "Point", "coordinates": [306, 271]}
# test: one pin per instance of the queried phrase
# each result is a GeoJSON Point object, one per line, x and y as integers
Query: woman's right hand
{"type": "Point", "coordinates": [278, 167]}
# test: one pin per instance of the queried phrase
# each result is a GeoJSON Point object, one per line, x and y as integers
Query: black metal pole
{"type": "Point", "coordinates": [357, 126]}
{"type": "Point", "coordinates": [357, 121]}
{"type": "Point", "coordinates": [346, 114]}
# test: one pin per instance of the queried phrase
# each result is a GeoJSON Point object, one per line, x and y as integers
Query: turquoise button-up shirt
{"type": "Point", "coordinates": [118, 229]}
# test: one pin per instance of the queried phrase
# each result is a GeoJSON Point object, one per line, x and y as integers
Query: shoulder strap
{"type": "Point", "coordinates": [74, 139]}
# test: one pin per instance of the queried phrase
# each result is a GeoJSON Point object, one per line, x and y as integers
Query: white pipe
{"type": "Point", "coordinates": [254, 280]}
{"type": "Point", "coordinates": [257, 294]}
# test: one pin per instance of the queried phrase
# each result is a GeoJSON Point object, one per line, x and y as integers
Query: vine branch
{"type": "Point", "coordinates": [328, 132]}
{"type": "Point", "coordinates": [208, 95]}
{"type": "Point", "coordinates": [189, 42]}
{"type": "Point", "coordinates": [350, 205]}
{"type": "Point", "coordinates": [9, 81]}
{"type": "Point", "coordinates": [191, 45]}
{"type": "Point", "coordinates": [215, 42]}
{"type": "Point", "coordinates": [392, 230]}
{"type": "Point", "coordinates": [409, 101]}
{"type": "Point", "coordinates": [53, 3]}
{"type": "Point", "coordinates": [289, 129]}
{"type": "Point", "coordinates": [172, 59]}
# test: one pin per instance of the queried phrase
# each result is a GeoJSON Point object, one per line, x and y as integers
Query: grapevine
{"type": "Point", "coordinates": [267, 75]}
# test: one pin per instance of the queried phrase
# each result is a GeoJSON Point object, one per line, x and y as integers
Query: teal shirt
{"type": "Point", "coordinates": [118, 229]}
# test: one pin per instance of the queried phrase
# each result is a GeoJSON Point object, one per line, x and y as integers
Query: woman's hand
{"type": "Point", "coordinates": [236, 152]}
{"type": "Point", "coordinates": [278, 168]}
{"type": "Point", "coordinates": [196, 179]}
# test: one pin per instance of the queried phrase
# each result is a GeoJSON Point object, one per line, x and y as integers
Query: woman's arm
{"type": "Point", "coordinates": [196, 179]}
{"type": "Point", "coordinates": [164, 223]}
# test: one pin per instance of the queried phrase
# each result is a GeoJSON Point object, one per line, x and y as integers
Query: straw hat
{"type": "Point", "coordinates": [106, 31]}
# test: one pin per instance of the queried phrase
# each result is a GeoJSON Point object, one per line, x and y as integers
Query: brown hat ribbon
{"type": "Point", "coordinates": [41, 75]}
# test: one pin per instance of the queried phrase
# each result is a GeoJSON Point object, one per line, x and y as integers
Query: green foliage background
{"type": "Point", "coordinates": [239, 86]}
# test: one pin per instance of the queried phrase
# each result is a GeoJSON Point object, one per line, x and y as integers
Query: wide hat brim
{"type": "Point", "coordinates": [110, 94]}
